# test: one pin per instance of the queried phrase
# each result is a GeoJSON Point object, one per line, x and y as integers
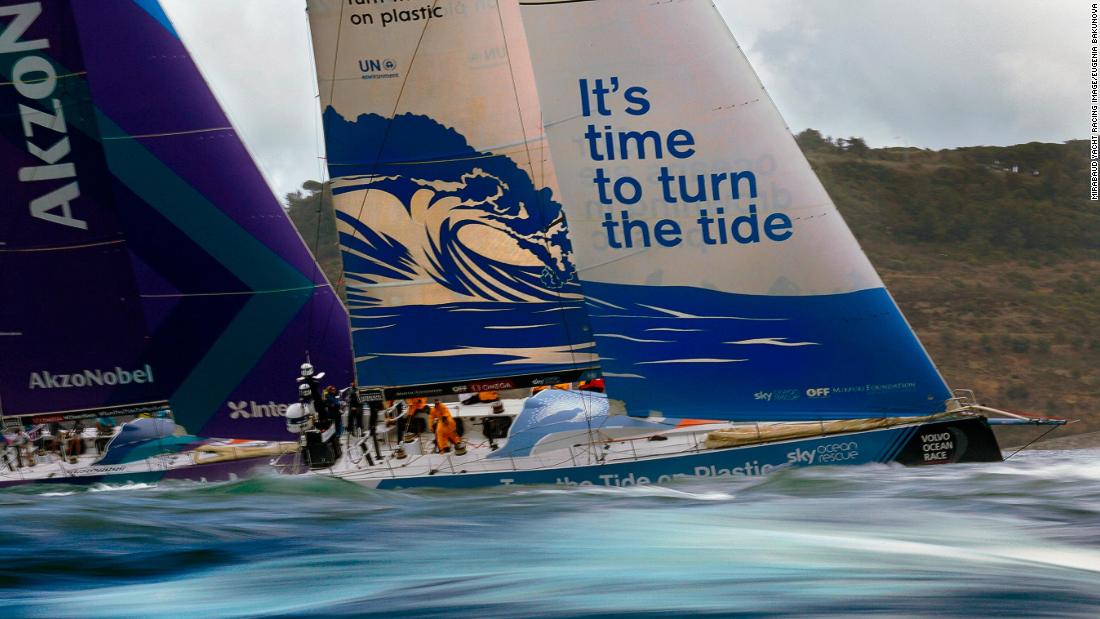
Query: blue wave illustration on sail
{"type": "Point", "coordinates": [711, 354]}
{"type": "Point", "coordinates": [426, 207]}
{"type": "Point", "coordinates": [456, 265]}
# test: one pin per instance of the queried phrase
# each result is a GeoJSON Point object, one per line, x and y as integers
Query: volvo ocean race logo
{"type": "Point", "coordinates": [255, 410]}
{"type": "Point", "coordinates": [91, 378]}
{"type": "Point", "coordinates": [35, 79]}
{"type": "Point", "coordinates": [373, 68]}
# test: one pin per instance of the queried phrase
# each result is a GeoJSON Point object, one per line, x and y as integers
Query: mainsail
{"type": "Point", "coordinates": [231, 300]}
{"type": "Point", "coordinates": [71, 326]}
{"type": "Point", "coordinates": [726, 282]}
{"type": "Point", "coordinates": [456, 260]}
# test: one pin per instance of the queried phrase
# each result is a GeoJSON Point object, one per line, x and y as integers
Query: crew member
{"type": "Point", "coordinates": [445, 428]}
{"type": "Point", "coordinates": [375, 407]}
{"type": "Point", "coordinates": [482, 397]}
{"type": "Point", "coordinates": [355, 411]}
{"type": "Point", "coordinates": [418, 409]}
{"type": "Point", "coordinates": [330, 417]}
{"type": "Point", "coordinates": [313, 379]}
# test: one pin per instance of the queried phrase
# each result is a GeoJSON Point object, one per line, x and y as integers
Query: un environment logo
{"type": "Point", "coordinates": [374, 65]}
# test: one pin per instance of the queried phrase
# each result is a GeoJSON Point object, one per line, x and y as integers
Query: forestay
{"type": "Point", "coordinates": [455, 254]}
{"type": "Point", "coordinates": [724, 281]}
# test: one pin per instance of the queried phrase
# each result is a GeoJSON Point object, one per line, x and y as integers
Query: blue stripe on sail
{"type": "Point", "coordinates": [750, 357]}
{"type": "Point", "coordinates": [421, 344]}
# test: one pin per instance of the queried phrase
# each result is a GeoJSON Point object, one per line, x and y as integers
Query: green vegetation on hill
{"type": "Point", "coordinates": [997, 270]}
{"type": "Point", "coordinates": [310, 208]}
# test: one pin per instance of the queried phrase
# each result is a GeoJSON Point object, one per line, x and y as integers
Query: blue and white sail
{"type": "Point", "coordinates": [456, 261]}
{"type": "Point", "coordinates": [722, 281]}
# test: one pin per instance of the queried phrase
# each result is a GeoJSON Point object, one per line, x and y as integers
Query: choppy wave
{"type": "Point", "coordinates": [1018, 539]}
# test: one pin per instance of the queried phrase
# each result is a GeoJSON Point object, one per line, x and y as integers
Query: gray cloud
{"type": "Point", "coordinates": [257, 57]}
{"type": "Point", "coordinates": [934, 73]}
{"type": "Point", "coordinates": [930, 73]}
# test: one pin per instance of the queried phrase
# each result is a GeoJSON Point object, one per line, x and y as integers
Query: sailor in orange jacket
{"type": "Point", "coordinates": [445, 427]}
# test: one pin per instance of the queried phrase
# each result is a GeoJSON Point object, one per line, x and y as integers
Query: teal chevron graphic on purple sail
{"type": "Point", "coordinates": [235, 298]}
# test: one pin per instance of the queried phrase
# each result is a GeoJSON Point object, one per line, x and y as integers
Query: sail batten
{"type": "Point", "coordinates": [724, 283]}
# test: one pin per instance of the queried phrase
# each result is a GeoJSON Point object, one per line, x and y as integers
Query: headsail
{"type": "Point", "coordinates": [725, 281]}
{"type": "Point", "coordinates": [231, 297]}
{"type": "Point", "coordinates": [456, 261]}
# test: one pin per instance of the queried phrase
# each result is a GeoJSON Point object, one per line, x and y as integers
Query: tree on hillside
{"type": "Point", "coordinates": [811, 140]}
{"type": "Point", "coordinates": [311, 211]}
{"type": "Point", "coordinates": [856, 146]}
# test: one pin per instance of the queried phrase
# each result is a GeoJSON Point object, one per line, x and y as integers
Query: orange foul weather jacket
{"type": "Point", "coordinates": [445, 429]}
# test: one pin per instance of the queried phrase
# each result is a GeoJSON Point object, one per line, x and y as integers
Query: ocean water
{"type": "Point", "coordinates": [1018, 539]}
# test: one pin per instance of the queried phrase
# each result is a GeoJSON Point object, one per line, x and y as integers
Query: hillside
{"type": "Point", "coordinates": [998, 271]}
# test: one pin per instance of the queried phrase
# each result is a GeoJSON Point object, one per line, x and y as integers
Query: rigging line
{"type": "Point", "coordinates": [166, 134]}
{"type": "Point", "coordinates": [321, 198]}
{"type": "Point", "coordinates": [1034, 440]}
{"type": "Point", "coordinates": [230, 294]}
{"type": "Point", "coordinates": [322, 174]}
{"type": "Point", "coordinates": [424, 161]}
{"type": "Point", "coordinates": [44, 79]}
{"type": "Point", "coordinates": [62, 247]}
{"type": "Point", "coordinates": [396, 105]}
{"type": "Point", "coordinates": [541, 201]}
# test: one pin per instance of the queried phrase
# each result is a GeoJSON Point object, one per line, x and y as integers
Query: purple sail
{"type": "Point", "coordinates": [72, 333]}
{"type": "Point", "coordinates": [231, 301]}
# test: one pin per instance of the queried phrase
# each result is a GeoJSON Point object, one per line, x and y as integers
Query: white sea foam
{"type": "Point", "coordinates": [372, 328]}
{"type": "Point", "coordinates": [674, 329]}
{"type": "Point", "coordinates": [617, 375]}
{"type": "Point", "coordinates": [549, 324]}
{"type": "Point", "coordinates": [117, 487]}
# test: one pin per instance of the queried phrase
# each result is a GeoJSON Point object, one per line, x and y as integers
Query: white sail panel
{"type": "Point", "coordinates": [452, 236]}
{"type": "Point", "coordinates": [717, 266]}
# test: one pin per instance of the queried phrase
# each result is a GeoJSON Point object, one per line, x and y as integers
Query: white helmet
{"type": "Point", "coordinates": [304, 391]}
{"type": "Point", "coordinates": [307, 369]}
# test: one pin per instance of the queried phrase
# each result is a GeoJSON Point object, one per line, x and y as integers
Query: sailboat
{"type": "Point", "coordinates": [145, 263]}
{"type": "Point", "coordinates": [643, 215]}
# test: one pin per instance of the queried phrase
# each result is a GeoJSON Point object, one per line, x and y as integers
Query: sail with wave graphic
{"type": "Point", "coordinates": [457, 265]}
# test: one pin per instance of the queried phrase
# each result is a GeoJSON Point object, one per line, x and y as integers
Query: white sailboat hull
{"type": "Point", "coordinates": [575, 460]}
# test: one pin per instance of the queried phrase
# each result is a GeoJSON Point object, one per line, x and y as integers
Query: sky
{"type": "Point", "coordinates": [926, 73]}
